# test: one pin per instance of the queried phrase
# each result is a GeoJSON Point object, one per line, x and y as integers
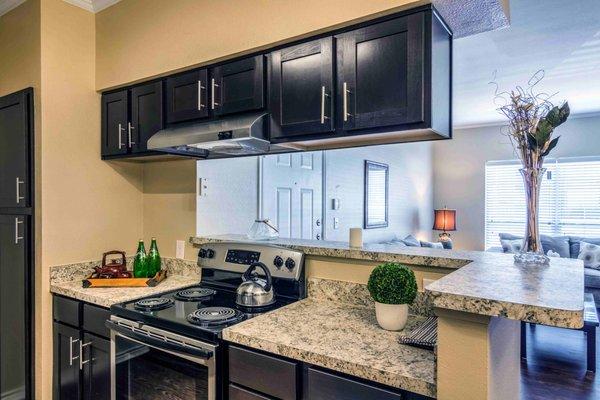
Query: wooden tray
{"type": "Point", "coordinates": [90, 282]}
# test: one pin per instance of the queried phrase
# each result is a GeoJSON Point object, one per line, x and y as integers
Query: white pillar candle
{"type": "Point", "coordinates": [356, 237]}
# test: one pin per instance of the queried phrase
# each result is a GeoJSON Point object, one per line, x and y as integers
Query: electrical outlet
{"type": "Point", "coordinates": [180, 249]}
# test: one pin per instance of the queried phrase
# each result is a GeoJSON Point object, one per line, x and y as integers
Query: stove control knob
{"type": "Point", "coordinates": [210, 253]}
{"type": "Point", "coordinates": [278, 262]}
{"type": "Point", "coordinates": [202, 253]}
{"type": "Point", "coordinates": [290, 264]}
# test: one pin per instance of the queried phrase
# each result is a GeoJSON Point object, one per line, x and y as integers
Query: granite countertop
{"type": "Point", "coordinates": [66, 280]}
{"type": "Point", "coordinates": [483, 283]}
{"type": "Point", "coordinates": [341, 337]}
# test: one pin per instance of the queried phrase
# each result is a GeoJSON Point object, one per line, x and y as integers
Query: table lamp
{"type": "Point", "coordinates": [444, 220]}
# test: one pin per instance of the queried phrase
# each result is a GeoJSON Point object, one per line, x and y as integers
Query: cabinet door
{"type": "Point", "coordinates": [14, 332]}
{"type": "Point", "coordinates": [67, 382]}
{"type": "Point", "coordinates": [381, 74]}
{"type": "Point", "coordinates": [327, 386]}
{"type": "Point", "coordinates": [301, 89]}
{"type": "Point", "coordinates": [187, 96]}
{"type": "Point", "coordinates": [96, 368]}
{"type": "Point", "coordinates": [146, 115]}
{"type": "Point", "coordinates": [15, 126]}
{"type": "Point", "coordinates": [238, 86]}
{"type": "Point", "coordinates": [114, 123]}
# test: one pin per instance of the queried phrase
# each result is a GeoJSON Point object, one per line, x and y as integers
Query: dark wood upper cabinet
{"type": "Point", "coordinates": [301, 89]}
{"type": "Point", "coordinates": [238, 86]}
{"type": "Point", "coordinates": [146, 114]}
{"type": "Point", "coordinates": [381, 74]}
{"type": "Point", "coordinates": [16, 127]}
{"type": "Point", "coordinates": [114, 123]}
{"type": "Point", "coordinates": [187, 96]}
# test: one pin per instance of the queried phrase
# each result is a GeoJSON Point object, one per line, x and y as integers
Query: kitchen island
{"type": "Point", "coordinates": [479, 298]}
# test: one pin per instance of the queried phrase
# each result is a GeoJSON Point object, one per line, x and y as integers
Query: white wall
{"type": "Point", "coordinates": [459, 169]}
{"type": "Point", "coordinates": [410, 190]}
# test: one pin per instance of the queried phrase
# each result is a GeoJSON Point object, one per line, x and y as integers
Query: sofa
{"type": "Point", "coordinates": [411, 241]}
{"type": "Point", "coordinates": [567, 247]}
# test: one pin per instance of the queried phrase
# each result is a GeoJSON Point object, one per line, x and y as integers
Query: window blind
{"type": "Point", "coordinates": [569, 200]}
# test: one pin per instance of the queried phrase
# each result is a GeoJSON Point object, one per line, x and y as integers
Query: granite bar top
{"type": "Point", "coordinates": [485, 283]}
{"type": "Point", "coordinates": [341, 337]}
{"type": "Point", "coordinates": [66, 280]}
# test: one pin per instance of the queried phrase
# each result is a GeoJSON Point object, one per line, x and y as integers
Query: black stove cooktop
{"type": "Point", "coordinates": [200, 311]}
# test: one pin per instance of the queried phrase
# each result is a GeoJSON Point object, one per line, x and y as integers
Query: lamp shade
{"type": "Point", "coordinates": [444, 220]}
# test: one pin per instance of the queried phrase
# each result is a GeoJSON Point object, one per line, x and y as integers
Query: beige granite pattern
{"type": "Point", "coordinates": [357, 294]}
{"type": "Point", "coordinates": [550, 295]}
{"type": "Point", "coordinates": [483, 283]}
{"type": "Point", "coordinates": [341, 337]}
{"type": "Point", "coordinates": [369, 252]}
{"type": "Point", "coordinates": [66, 280]}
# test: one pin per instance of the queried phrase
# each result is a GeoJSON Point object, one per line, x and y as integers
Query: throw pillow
{"type": "Point", "coordinates": [590, 254]}
{"type": "Point", "coordinates": [432, 245]}
{"type": "Point", "coordinates": [411, 241]}
{"type": "Point", "coordinates": [511, 246]}
{"type": "Point", "coordinates": [558, 244]}
{"type": "Point", "coordinates": [576, 242]}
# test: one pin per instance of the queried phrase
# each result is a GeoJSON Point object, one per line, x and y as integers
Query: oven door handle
{"type": "Point", "coordinates": [157, 343]}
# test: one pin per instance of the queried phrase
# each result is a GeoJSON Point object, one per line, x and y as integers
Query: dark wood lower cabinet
{"type": "Point", "coordinates": [67, 381]}
{"type": "Point", "coordinates": [96, 370]}
{"type": "Point", "coordinates": [255, 375]}
{"type": "Point", "coordinates": [81, 358]}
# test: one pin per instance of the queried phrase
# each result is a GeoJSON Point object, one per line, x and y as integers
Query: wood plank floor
{"type": "Point", "coordinates": [555, 367]}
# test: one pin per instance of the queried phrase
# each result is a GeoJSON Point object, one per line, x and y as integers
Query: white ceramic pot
{"type": "Point", "coordinates": [391, 317]}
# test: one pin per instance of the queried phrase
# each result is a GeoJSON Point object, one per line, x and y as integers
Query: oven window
{"type": "Point", "coordinates": [144, 373]}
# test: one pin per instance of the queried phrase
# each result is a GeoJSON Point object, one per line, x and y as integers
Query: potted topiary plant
{"type": "Point", "coordinates": [393, 287]}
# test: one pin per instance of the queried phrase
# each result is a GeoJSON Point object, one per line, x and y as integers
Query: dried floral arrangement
{"type": "Point", "coordinates": [532, 119]}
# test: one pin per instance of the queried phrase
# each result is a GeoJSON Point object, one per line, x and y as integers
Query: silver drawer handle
{"type": "Point", "coordinates": [213, 85]}
{"type": "Point", "coordinates": [81, 361]}
{"type": "Point", "coordinates": [121, 129]}
{"type": "Point", "coordinates": [19, 183]}
{"type": "Point", "coordinates": [71, 342]}
{"type": "Point", "coordinates": [345, 98]}
{"type": "Point", "coordinates": [200, 87]}
{"type": "Point", "coordinates": [17, 237]}
{"type": "Point", "coordinates": [129, 129]}
{"type": "Point", "coordinates": [323, 95]}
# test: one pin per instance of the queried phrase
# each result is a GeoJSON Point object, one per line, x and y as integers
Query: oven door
{"type": "Point", "coordinates": [148, 363]}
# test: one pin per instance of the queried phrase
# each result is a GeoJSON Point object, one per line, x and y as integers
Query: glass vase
{"type": "Point", "coordinates": [531, 252]}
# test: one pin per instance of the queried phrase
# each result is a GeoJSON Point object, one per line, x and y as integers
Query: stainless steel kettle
{"type": "Point", "coordinates": [255, 291]}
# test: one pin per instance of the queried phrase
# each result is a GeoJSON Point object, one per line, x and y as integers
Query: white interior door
{"type": "Point", "coordinates": [292, 186]}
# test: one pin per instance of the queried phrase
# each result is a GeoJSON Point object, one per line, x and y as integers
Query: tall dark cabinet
{"type": "Point", "coordinates": [16, 245]}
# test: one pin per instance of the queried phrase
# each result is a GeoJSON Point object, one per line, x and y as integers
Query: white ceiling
{"type": "Point", "coordinates": [558, 36]}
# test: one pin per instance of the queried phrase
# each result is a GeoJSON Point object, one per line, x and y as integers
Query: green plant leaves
{"type": "Point", "coordinates": [551, 146]}
{"type": "Point", "coordinates": [392, 283]}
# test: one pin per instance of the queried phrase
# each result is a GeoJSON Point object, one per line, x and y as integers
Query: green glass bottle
{"type": "Point", "coordinates": [140, 262]}
{"type": "Point", "coordinates": [153, 259]}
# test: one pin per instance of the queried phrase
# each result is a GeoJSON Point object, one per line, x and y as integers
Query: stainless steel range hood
{"type": "Point", "coordinates": [240, 135]}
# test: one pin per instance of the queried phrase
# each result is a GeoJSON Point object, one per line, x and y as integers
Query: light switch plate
{"type": "Point", "coordinates": [336, 223]}
{"type": "Point", "coordinates": [180, 250]}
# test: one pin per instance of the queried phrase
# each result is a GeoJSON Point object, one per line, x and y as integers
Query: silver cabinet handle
{"type": "Point", "coordinates": [17, 237]}
{"type": "Point", "coordinates": [200, 87]}
{"type": "Point", "coordinates": [323, 95]}
{"type": "Point", "coordinates": [213, 85]}
{"type": "Point", "coordinates": [81, 346]}
{"type": "Point", "coordinates": [129, 129]}
{"type": "Point", "coordinates": [19, 183]}
{"type": "Point", "coordinates": [346, 91]}
{"type": "Point", "coordinates": [71, 342]}
{"type": "Point", "coordinates": [121, 129]}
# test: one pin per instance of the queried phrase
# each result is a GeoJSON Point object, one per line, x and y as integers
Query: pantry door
{"type": "Point", "coordinates": [292, 194]}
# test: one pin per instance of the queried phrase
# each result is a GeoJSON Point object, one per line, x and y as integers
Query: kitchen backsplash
{"type": "Point", "coordinates": [357, 294]}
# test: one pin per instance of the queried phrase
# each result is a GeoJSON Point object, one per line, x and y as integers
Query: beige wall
{"type": "Point", "coordinates": [89, 206]}
{"type": "Point", "coordinates": [459, 170]}
{"type": "Point", "coordinates": [137, 39]}
{"type": "Point", "coordinates": [170, 205]}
